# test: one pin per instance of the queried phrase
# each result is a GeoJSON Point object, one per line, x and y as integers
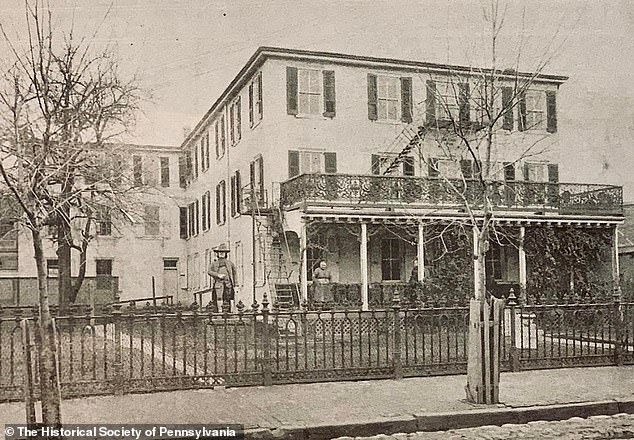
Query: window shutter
{"type": "Point", "coordinates": [291, 90]}
{"type": "Point", "coordinates": [373, 109]}
{"type": "Point", "coordinates": [376, 161]}
{"type": "Point", "coordinates": [430, 103]}
{"type": "Point", "coordinates": [553, 173]}
{"type": "Point", "coordinates": [507, 108]}
{"type": "Point", "coordinates": [293, 163]}
{"type": "Point", "coordinates": [408, 166]}
{"type": "Point", "coordinates": [238, 193]}
{"type": "Point", "coordinates": [182, 217]}
{"type": "Point", "coordinates": [238, 120]}
{"type": "Point", "coordinates": [251, 104]}
{"type": "Point", "coordinates": [466, 168]}
{"type": "Point", "coordinates": [526, 172]}
{"type": "Point", "coordinates": [217, 131]}
{"type": "Point", "coordinates": [406, 99]}
{"type": "Point", "coordinates": [224, 202]}
{"type": "Point", "coordinates": [464, 112]}
{"type": "Point", "coordinates": [330, 162]}
{"type": "Point", "coordinates": [260, 103]}
{"type": "Point", "coordinates": [329, 94]}
{"type": "Point", "coordinates": [551, 111]}
{"type": "Point", "coordinates": [252, 174]}
{"type": "Point", "coordinates": [522, 108]}
{"type": "Point", "coordinates": [432, 167]}
{"type": "Point", "coordinates": [218, 221]}
{"type": "Point", "coordinates": [261, 172]}
{"type": "Point", "coordinates": [233, 195]}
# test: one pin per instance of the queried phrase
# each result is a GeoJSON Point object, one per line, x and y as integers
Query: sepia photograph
{"type": "Point", "coordinates": [316, 219]}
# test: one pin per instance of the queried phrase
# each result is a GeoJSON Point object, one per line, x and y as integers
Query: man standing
{"type": "Point", "coordinates": [223, 272]}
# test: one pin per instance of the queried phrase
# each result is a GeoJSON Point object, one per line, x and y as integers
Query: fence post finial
{"type": "Point", "coordinates": [511, 300]}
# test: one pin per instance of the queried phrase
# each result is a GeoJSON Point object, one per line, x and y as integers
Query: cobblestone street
{"type": "Point", "coordinates": [620, 426]}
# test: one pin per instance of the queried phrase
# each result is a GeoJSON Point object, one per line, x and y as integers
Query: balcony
{"type": "Point", "coordinates": [371, 190]}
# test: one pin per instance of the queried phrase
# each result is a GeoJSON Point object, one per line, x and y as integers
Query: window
{"type": "Point", "coordinates": [8, 246]}
{"type": "Point", "coordinates": [104, 221]}
{"type": "Point", "coordinates": [535, 110]}
{"type": "Point", "coordinates": [170, 263]}
{"type": "Point", "coordinates": [151, 220]}
{"type": "Point", "coordinates": [382, 163]}
{"type": "Point", "coordinates": [309, 90]}
{"type": "Point", "coordinates": [255, 100]}
{"type": "Point", "coordinates": [390, 259]}
{"type": "Point", "coordinates": [165, 172]}
{"type": "Point", "coordinates": [182, 222]}
{"type": "Point", "coordinates": [183, 170]}
{"type": "Point", "coordinates": [195, 166]}
{"type": "Point", "coordinates": [446, 168]}
{"type": "Point", "coordinates": [235, 117]}
{"type": "Point", "coordinates": [304, 162]}
{"type": "Point", "coordinates": [236, 194]}
{"type": "Point", "coordinates": [389, 98]}
{"type": "Point", "coordinates": [466, 167]}
{"type": "Point", "coordinates": [52, 267]}
{"type": "Point", "coordinates": [196, 217]}
{"type": "Point", "coordinates": [447, 101]}
{"type": "Point", "coordinates": [535, 172]}
{"type": "Point", "coordinates": [509, 171]}
{"type": "Point", "coordinates": [137, 168]}
{"type": "Point", "coordinates": [103, 271]}
{"type": "Point", "coordinates": [221, 203]}
{"type": "Point", "coordinates": [220, 137]}
{"type": "Point", "coordinates": [190, 218]}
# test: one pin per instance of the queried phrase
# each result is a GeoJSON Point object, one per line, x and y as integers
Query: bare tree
{"type": "Point", "coordinates": [63, 103]}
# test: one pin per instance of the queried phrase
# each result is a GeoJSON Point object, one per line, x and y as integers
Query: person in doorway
{"type": "Point", "coordinates": [321, 282]}
{"type": "Point", "coordinates": [413, 278]}
{"type": "Point", "coordinates": [223, 272]}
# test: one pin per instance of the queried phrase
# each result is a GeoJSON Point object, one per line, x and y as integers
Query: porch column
{"type": "Point", "coordinates": [616, 270]}
{"type": "Point", "coordinates": [363, 254]}
{"type": "Point", "coordinates": [522, 261]}
{"type": "Point", "coordinates": [303, 242]}
{"type": "Point", "coordinates": [421, 252]}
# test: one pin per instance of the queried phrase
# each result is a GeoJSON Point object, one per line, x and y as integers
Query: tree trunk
{"type": "Point", "coordinates": [47, 354]}
{"type": "Point", "coordinates": [65, 241]}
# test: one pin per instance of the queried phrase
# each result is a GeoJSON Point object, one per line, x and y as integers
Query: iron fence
{"type": "Point", "coordinates": [135, 350]}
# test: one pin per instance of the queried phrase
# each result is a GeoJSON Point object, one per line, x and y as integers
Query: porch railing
{"type": "Point", "coordinates": [134, 350]}
{"type": "Point", "coordinates": [565, 198]}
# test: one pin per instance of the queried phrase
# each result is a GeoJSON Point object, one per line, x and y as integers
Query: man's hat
{"type": "Point", "coordinates": [222, 248]}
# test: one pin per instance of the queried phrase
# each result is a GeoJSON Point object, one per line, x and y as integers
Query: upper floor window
{"type": "Point", "coordinates": [256, 171]}
{"type": "Point", "coordinates": [389, 98]}
{"type": "Point", "coordinates": [304, 91]}
{"type": "Point", "coordinates": [195, 165]}
{"type": "Point", "coordinates": [103, 271]}
{"type": "Point", "coordinates": [535, 110]}
{"type": "Point", "coordinates": [538, 110]}
{"type": "Point", "coordinates": [182, 222]}
{"type": "Point", "coordinates": [236, 194]}
{"type": "Point", "coordinates": [450, 101]}
{"type": "Point", "coordinates": [255, 100]}
{"type": "Point", "coordinates": [220, 137]}
{"type": "Point", "coordinates": [205, 149]}
{"type": "Point", "coordinates": [387, 164]}
{"type": "Point", "coordinates": [221, 203]}
{"type": "Point", "coordinates": [304, 162]}
{"type": "Point", "coordinates": [165, 172]}
{"type": "Point", "coordinates": [151, 220]}
{"type": "Point", "coordinates": [235, 119]}
{"type": "Point", "coordinates": [52, 267]}
{"type": "Point", "coordinates": [104, 221]}
{"type": "Point", "coordinates": [137, 169]}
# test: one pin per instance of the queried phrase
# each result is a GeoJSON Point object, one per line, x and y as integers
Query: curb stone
{"type": "Point", "coordinates": [448, 420]}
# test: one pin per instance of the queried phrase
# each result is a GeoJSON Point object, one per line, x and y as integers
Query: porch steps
{"type": "Point", "coordinates": [287, 296]}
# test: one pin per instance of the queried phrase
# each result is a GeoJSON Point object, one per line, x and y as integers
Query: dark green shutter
{"type": "Point", "coordinates": [551, 111]}
{"type": "Point", "coordinates": [330, 163]}
{"type": "Point", "coordinates": [406, 99]}
{"type": "Point", "coordinates": [408, 166]}
{"type": "Point", "coordinates": [507, 108]}
{"type": "Point", "coordinates": [430, 103]}
{"type": "Point", "coordinates": [291, 91]}
{"type": "Point", "coordinates": [373, 106]}
{"type": "Point", "coordinates": [293, 163]}
{"type": "Point", "coordinates": [329, 94]}
{"type": "Point", "coordinates": [463, 101]}
{"type": "Point", "coordinates": [522, 111]}
{"type": "Point", "coordinates": [553, 173]}
{"type": "Point", "coordinates": [376, 167]}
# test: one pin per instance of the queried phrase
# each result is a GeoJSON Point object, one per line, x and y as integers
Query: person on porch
{"type": "Point", "coordinates": [223, 272]}
{"type": "Point", "coordinates": [321, 284]}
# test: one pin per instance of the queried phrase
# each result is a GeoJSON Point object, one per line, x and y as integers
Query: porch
{"type": "Point", "coordinates": [410, 191]}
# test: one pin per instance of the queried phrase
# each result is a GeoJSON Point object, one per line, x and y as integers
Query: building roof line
{"type": "Point", "coordinates": [264, 52]}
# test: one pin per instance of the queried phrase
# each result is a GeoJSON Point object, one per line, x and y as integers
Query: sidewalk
{"type": "Point", "coordinates": [367, 407]}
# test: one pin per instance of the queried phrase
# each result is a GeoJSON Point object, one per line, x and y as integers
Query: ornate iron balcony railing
{"type": "Point", "coordinates": [368, 190]}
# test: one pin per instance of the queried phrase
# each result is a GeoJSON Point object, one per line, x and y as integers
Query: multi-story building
{"type": "Point", "coordinates": [311, 155]}
{"type": "Point", "coordinates": [358, 161]}
{"type": "Point", "coordinates": [135, 248]}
